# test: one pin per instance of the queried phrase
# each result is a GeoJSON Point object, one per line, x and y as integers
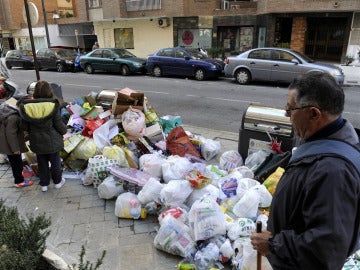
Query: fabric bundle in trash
{"type": "Point", "coordinates": [178, 143]}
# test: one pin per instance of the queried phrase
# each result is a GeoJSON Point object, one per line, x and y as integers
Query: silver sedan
{"type": "Point", "coordinates": [275, 65]}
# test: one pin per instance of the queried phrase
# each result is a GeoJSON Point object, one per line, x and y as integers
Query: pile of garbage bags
{"type": "Point", "coordinates": [150, 165]}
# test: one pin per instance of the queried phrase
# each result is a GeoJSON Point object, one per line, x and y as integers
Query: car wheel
{"type": "Point", "coordinates": [89, 69]}
{"type": "Point", "coordinates": [125, 70]}
{"type": "Point", "coordinates": [156, 71]}
{"type": "Point", "coordinates": [243, 76]}
{"type": "Point", "coordinates": [200, 74]}
{"type": "Point", "coordinates": [8, 66]}
{"type": "Point", "coordinates": [60, 67]}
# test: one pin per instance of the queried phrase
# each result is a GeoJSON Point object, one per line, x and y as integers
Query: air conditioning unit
{"type": "Point", "coordinates": [225, 4]}
{"type": "Point", "coordinates": [163, 22]}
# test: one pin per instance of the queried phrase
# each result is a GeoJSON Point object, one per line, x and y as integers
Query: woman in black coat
{"type": "Point", "coordinates": [41, 118]}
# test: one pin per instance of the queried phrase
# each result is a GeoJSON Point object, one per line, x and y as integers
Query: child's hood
{"type": "Point", "coordinates": [38, 109]}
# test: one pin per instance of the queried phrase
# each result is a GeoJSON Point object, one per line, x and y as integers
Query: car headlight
{"type": "Point", "coordinates": [212, 66]}
{"type": "Point", "coordinates": [69, 62]}
{"type": "Point", "coordinates": [138, 64]}
{"type": "Point", "coordinates": [335, 72]}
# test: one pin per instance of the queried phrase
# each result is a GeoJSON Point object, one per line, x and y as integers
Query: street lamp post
{"type": "Point", "coordinates": [45, 24]}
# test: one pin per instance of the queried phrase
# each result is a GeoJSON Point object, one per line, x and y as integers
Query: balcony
{"type": "Point", "coordinates": [137, 5]}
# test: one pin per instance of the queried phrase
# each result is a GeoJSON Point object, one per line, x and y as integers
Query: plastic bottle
{"type": "Point", "coordinates": [186, 266]}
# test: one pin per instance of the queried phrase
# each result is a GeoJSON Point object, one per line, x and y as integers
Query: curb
{"type": "Point", "coordinates": [55, 260]}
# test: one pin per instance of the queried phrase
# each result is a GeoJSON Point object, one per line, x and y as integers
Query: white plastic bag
{"type": "Point", "coordinates": [175, 193]}
{"type": "Point", "coordinates": [247, 206]}
{"type": "Point", "coordinates": [230, 160]}
{"type": "Point", "coordinates": [209, 148]}
{"type": "Point", "coordinates": [150, 191]}
{"type": "Point", "coordinates": [151, 164]}
{"type": "Point", "coordinates": [240, 227]}
{"type": "Point", "coordinates": [101, 135]}
{"type": "Point", "coordinates": [127, 205]}
{"type": "Point", "coordinates": [175, 167]}
{"type": "Point", "coordinates": [209, 190]}
{"type": "Point", "coordinates": [174, 237]}
{"type": "Point", "coordinates": [206, 219]}
{"type": "Point", "coordinates": [110, 188]}
{"type": "Point", "coordinates": [133, 121]}
{"type": "Point", "coordinates": [250, 259]}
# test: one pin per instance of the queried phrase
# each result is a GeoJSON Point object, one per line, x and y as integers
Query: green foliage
{"type": "Point", "coordinates": [87, 265]}
{"type": "Point", "coordinates": [216, 52]}
{"type": "Point", "coordinates": [22, 242]}
{"type": "Point", "coordinates": [348, 59]}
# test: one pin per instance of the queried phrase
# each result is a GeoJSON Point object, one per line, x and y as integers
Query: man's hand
{"type": "Point", "coordinates": [260, 242]}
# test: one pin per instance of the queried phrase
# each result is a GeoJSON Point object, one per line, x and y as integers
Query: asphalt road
{"type": "Point", "coordinates": [215, 104]}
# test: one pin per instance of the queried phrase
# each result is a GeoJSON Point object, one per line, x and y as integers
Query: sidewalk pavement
{"type": "Point", "coordinates": [79, 217]}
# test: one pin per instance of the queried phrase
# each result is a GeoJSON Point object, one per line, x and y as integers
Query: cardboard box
{"type": "Point", "coordinates": [154, 132]}
{"type": "Point", "coordinates": [122, 102]}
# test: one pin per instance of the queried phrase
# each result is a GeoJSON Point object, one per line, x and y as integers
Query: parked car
{"type": "Point", "coordinates": [275, 65]}
{"type": "Point", "coordinates": [181, 61]}
{"type": "Point", "coordinates": [56, 58]}
{"type": "Point", "coordinates": [19, 58]}
{"type": "Point", "coordinates": [112, 60]}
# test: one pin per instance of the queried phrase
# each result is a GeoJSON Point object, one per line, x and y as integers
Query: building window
{"type": "Point", "coordinates": [124, 38]}
{"type": "Point", "coordinates": [95, 3]}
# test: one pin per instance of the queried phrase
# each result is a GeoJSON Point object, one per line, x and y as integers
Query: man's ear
{"type": "Point", "coordinates": [315, 112]}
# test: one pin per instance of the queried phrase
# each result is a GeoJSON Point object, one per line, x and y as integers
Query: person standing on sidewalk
{"type": "Point", "coordinates": [12, 141]}
{"type": "Point", "coordinates": [314, 220]}
{"type": "Point", "coordinates": [95, 46]}
{"type": "Point", "coordinates": [41, 118]}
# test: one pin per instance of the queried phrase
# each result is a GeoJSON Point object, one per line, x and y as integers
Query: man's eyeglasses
{"type": "Point", "coordinates": [289, 108]}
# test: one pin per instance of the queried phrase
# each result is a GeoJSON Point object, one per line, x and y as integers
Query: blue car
{"type": "Point", "coordinates": [185, 62]}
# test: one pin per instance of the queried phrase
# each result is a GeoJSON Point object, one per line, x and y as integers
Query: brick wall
{"type": "Point", "coordinates": [298, 34]}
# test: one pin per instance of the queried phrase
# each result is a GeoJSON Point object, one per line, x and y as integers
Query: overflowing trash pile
{"type": "Point", "coordinates": [151, 165]}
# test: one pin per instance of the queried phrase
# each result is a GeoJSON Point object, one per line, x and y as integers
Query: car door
{"type": "Point", "coordinates": [285, 66]}
{"type": "Point", "coordinates": [108, 62]}
{"type": "Point", "coordinates": [260, 64]}
{"type": "Point", "coordinates": [166, 61]}
{"type": "Point", "coordinates": [182, 63]}
{"type": "Point", "coordinates": [40, 58]}
{"type": "Point", "coordinates": [95, 60]}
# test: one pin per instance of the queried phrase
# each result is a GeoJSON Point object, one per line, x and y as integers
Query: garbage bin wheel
{"type": "Point", "coordinates": [243, 76]}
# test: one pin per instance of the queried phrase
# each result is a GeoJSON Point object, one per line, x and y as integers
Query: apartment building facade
{"type": "Point", "coordinates": [322, 29]}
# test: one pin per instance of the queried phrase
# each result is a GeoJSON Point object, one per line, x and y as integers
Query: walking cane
{"type": "Point", "coordinates": [258, 258]}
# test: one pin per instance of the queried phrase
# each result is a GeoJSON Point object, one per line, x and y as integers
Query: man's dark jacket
{"type": "Point", "coordinates": [314, 211]}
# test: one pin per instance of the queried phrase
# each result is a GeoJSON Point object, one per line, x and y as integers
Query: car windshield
{"type": "Point", "coordinates": [27, 53]}
{"type": "Point", "coordinates": [306, 58]}
{"type": "Point", "coordinates": [197, 54]}
{"type": "Point", "coordinates": [123, 53]}
{"type": "Point", "coordinates": [65, 53]}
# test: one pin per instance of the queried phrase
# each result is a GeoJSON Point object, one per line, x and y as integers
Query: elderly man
{"type": "Point", "coordinates": [315, 213]}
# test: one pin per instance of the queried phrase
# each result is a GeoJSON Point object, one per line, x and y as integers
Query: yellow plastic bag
{"type": "Point", "coordinates": [115, 152]}
{"type": "Point", "coordinates": [271, 182]}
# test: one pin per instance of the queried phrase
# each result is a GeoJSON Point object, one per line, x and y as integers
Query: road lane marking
{"type": "Point", "coordinates": [225, 99]}
{"type": "Point", "coordinates": [82, 85]}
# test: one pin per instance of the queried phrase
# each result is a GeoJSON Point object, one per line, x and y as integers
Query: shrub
{"type": "Point", "coordinates": [216, 52]}
{"type": "Point", "coordinates": [22, 241]}
{"type": "Point", "coordinates": [87, 265]}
